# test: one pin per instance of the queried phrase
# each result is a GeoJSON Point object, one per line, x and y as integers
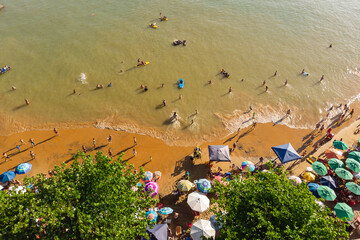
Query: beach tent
{"type": "Point", "coordinates": [158, 232]}
{"type": "Point", "coordinates": [286, 153]}
{"type": "Point", "coordinates": [219, 153]}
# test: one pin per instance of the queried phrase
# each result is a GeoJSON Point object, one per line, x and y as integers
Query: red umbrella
{"type": "Point", "coordinates": [332, 153]}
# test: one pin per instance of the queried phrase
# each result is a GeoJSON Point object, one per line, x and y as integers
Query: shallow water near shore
{"type": "Point", "coordinates": [54, 47]}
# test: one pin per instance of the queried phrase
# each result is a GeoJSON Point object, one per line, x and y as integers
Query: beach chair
{"type": "Point", "coordinates": [311, 159]}
{"type": "Point", "coordinates": [178, 230]}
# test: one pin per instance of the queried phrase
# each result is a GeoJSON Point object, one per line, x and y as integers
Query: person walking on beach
{"type": "Point", "coordinates": [322, 78]}
{"type": "Point", "coordinates": [22, 141]}
{"type": "Point", "coordinates": [135, 143]}
{"type": "Point", "coordinates": [192, 122]}
{"type": "Point", "coordinates": [5, 156]}
{"type": "Point", "coordinates": [83, 148]}
{"type": "Point", "coordinates": [94, 143]}
{"type": "Point", "coordinates": [27, 102]}
{"type": "Point", "coordinates": [264, 82]}
{"type": "Point", "coordinates": [32, 155]}
{"type": "Point", "coordinates": [31, 140]}
{"type": "Point", "coordinates": [288, 112]}
{"type": "Point", "coordinates": [164, 103]}
{"type": "Point", "coordinates": [56, 132]}
{"type": "Point", "coordinates": [275, 73]}
{"type": "Point", "coordinates": [321, 128]}
{"type": "Point", "coordinates": [134, 152]}
{"type": "Point", "coordinates": [286, 82]}
{"type": "Point", "coordinates": [266, 88]}
{"type": "Point", "coordinates": [351, 113]}
{"type": "Point", "coordinates": [110, 152]}
{"type": "Point", "coordinates": [254, 125]}
{"type": "Point", "coordinates": [230, 90]}
{"type": "Point", "coordinates": [18, 147]}
{"type": "Point", "coordinates": [109, 139]}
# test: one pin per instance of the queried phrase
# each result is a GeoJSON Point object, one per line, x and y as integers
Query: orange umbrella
{"type": "Point", "coordinates": [332, 153]}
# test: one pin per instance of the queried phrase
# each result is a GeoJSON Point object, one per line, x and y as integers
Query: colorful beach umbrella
{"type": "Point", "coordinates": [184, 185]}
{"type": "Point", "coordinates": [353, 164]}
{"type": "Point", "coordinates": [309, 176]}
{"type": "Point", "coordinates": [202, 229]}
{"type": "Point", "coordinates": [204, 185]}
{"type": "Point", "coordinates": [326, 193]}
{"type": "Point", "coordinates": [215, 222]}
{"type": "Point", "coordinates": [333, 153]}
{"type": "Point", "coordinates": [198, 202]}
{"type": "Point", "coordinates": [7, 176]}
{"type": "Point", "coordinates": [23, 168]}
{"type": "Point", "coordinates": [344, 211]}
{"type": "Point", "coordinates": [295, 180]}
{"type": "Point", "coordinates": [313, 189]}
{"type": "Point", "coordinates": [152, 187]}
{"type": "Point", "coordinates": [340, 145]}
{"type": "Point", "coordinates": [218, 178]}
{"type": "Point", "coordinates": [343, 173]}
{"type": "Point", "coordinates": [247, 166]}
{"type": "Point", "coordinates": [353, 187]}
{"type": "Point", "coordinates": [151, 215]}
{"type": "Point", "coordinates": [157, 175]}
{"type": "Point", "coordinates": [166, 210]}
{"type": "Point", "coordinates": [354, 155]}
{"type": "Point", "coordinates": [329, 182]}
{"type": "Point", "coordinates": [320, 168]}
{"type": "Point", "coordinates": [148, 176]}
{"type": "Point", "coordinates": [335, 163]}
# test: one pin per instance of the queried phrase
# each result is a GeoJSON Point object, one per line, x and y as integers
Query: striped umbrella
{"type": "Point", "coordinates": [148, 176]}
{"type": "Point", "coordinates": [166, 210]}
{"type": "Point", "coordinates": [152, 187]}
{"type": "Point", "coordinates": [204, 185]}
{"type": "Point", "coordinates": [247, 166]}
{"type": "Point", "coordinates": [23, 168]}
{"type": "Point", "coordinates": [343, 173]}
{"type": "Point", "coordinates": [354, 155]}
{"type": "Point", "coordinates": [353, 164]}
{"type": "Point", "coordinates": [340, 145]}
{"type": "Point", "coordinates": [319, 168]}
{"type": "Point", "coordinates": [335, 163]}
{"type": "Point", "coordinates": [343, 211]}
{"type": "Point", "coordinates": [295, 180]}
{"type": "Point", "coordinates": [353, 187]}
{"type": "Point", "coordinates": [7, 176]}
{"type": "Point", "coordinates": [326, 193]}
{"type": "Point", "coordinates": [184, 185]}
{"type": "Point", "coordinates": [151, 215]}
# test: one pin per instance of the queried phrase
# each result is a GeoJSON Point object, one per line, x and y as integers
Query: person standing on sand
{"type": "Point", "coordinates": [83, 148]}
{"type": "Point", "coordinates": [162, 85]}
{"type": "Point", "coordinates": [32, 155]}
{"type": "Point", "coordinates": [264, 82]}
{"type": "Point", "coordinates": [18, 148]}
{"type": "Point", "coordinates": [22, 141]}
{"type": "Point", "coordinates": [56, 132]}
{"type": "Point", "coordinates": [110, 152]}
{"type": "Point", "coordinates": [134, 152]}
{"type": "Point", "coordinates": [286, 82]}
{"type": "Point", "coordinates": [322, 78]}
{"type": "Point", "coordinates": [109, 139]}
{"type": "Point", "coordinates": [5, 156]}
{"type": "Point", "coordinates": [266, 88]}
{"type": "Point", "coordinates": [31, 140]}
{"type": "Point", "coordinates": [135, 143]}
{"type": "Point", "coordinates": [94, 143]}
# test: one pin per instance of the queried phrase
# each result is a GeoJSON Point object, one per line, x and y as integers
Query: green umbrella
{"type": "Point", "coordinates": [353, 164]}
{"type": "Point", "coordinates": [343, 173]}
{"type": "Point", "coordinates": [340, 145]}
{"type": "Point", "coordinates": [343, 211]}
{"type": "Point", "coordinates": [319, 168]}
{"type": "Point", "coordinates": [326, 193]}
{"type": "Point", "coordinates": [335, 163]}
{"type": "Point", "coordinates": [354, 155]}
{"type": "Point", "coordinates": [353, 187]}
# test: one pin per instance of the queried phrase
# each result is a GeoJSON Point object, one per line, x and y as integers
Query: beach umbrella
{"type": "Point", "coordinates": [157, 175]}
{"type": "Point", "coordinates": [340, 145]}
{"type": "Point", "coordinates": [184, 185]}
{"type": "Point", "coordinates": [353, 164]}
{"type": "Point", "coordinates": [296, 180]}
{"type": "Point", "coordinates": [320, 168]}
{"type": "Point", "coordinates": [216, 224]}
{"type": "Point", "coordinates": [218, 178]}
{"type": "Point", "coordinates": [7, 176]}
{"type": "Point", "coordinates": [23, 168]}
{"type": "Point", "coordinates": [313, 189]}
{"type": "Point", "coordinates": [328, 181]}
{"type": "Point", "coordinates": [166, 210]}
{"type": "Point", "coordinates": [286, 153]}
{"type": "Point", "coordinates": [354, 155]}
{"type": "Point", "coordinates": [309, 176]}
{"type": "Point", "coordinates": [247, 166]}
{"type": "Point", "coordinates": [151, 215]}
{"type": "Point", "coordinates": [158, 232]}
{"type": "Point", "coordinates": [357, 175]}
{"type": "Point", "coordinates": [202, 228]}
{"type": "Point", "coordinates": [17, 190]}
{"type": "Point", "coordinates": [353, 187]}
{"type": "Point", "coordinates": [343, 173]}
{"type": "Point", "coordinates": [333, 153]}
{"type": "Point", "coordinates": [198, 202]}
{"type": "Point", "coordinates": [343, 211]}
{"type": "Point", "coordinates": [204, 185]}
{"type": "Point", "coordinates": [152, 187]}
{"type": "Point", "coordinates": [326, 193]}
{"type": "Point", "coordinates": [335, 163]}
{"type": "Point", "coordinates": [148, 176]}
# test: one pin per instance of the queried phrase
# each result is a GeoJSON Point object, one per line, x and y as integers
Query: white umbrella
{"type": "Point", "coordinates": [17, 190]}
{"type": "Point", "coordinates": [198, 202]}
{"type": "Point", "coordinates": [202, 228]}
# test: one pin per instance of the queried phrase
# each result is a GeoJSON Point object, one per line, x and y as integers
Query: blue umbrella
{"type": "Point", "coordinates": [214, 221]}
{"type": "Point", "coordinates": [313, 189]}
{"type": "Point", "coordinates": [329, 182]}
{"type": "Point", "coordinates": [166, 210]}
{"type": "Point", "coordinates": [286, 153]}
{"type": "Point", "coordinates": [23, 168]}
{"type": "Point", "coordinates": [7, 176]}
{"type": "Point", "coordinates": [158, 231]}
{"type": "Point", "coordinates": [204, 185]}
{"type": "Point", "coordinates": [152, 216]}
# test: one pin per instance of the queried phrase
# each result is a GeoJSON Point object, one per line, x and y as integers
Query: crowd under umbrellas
{"type": "Point", "coordinates": [8, 177]}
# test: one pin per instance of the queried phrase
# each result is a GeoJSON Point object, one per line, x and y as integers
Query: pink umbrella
{"type": "Point", "coordinates": [218, 178]}
{"type": "Point", "coordinates": [153, 187]}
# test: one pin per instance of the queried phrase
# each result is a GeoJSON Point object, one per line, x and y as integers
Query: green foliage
{"type": "Point", "coordinates": [92, 199]}
{"type": "Point", "coordinates": [269, 206]}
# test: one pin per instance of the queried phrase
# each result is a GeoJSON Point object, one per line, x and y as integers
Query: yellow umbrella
{"type": "Point", "coordinates": [309, 176]}
{"type": "Point", "coordinates": [184, 185]}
